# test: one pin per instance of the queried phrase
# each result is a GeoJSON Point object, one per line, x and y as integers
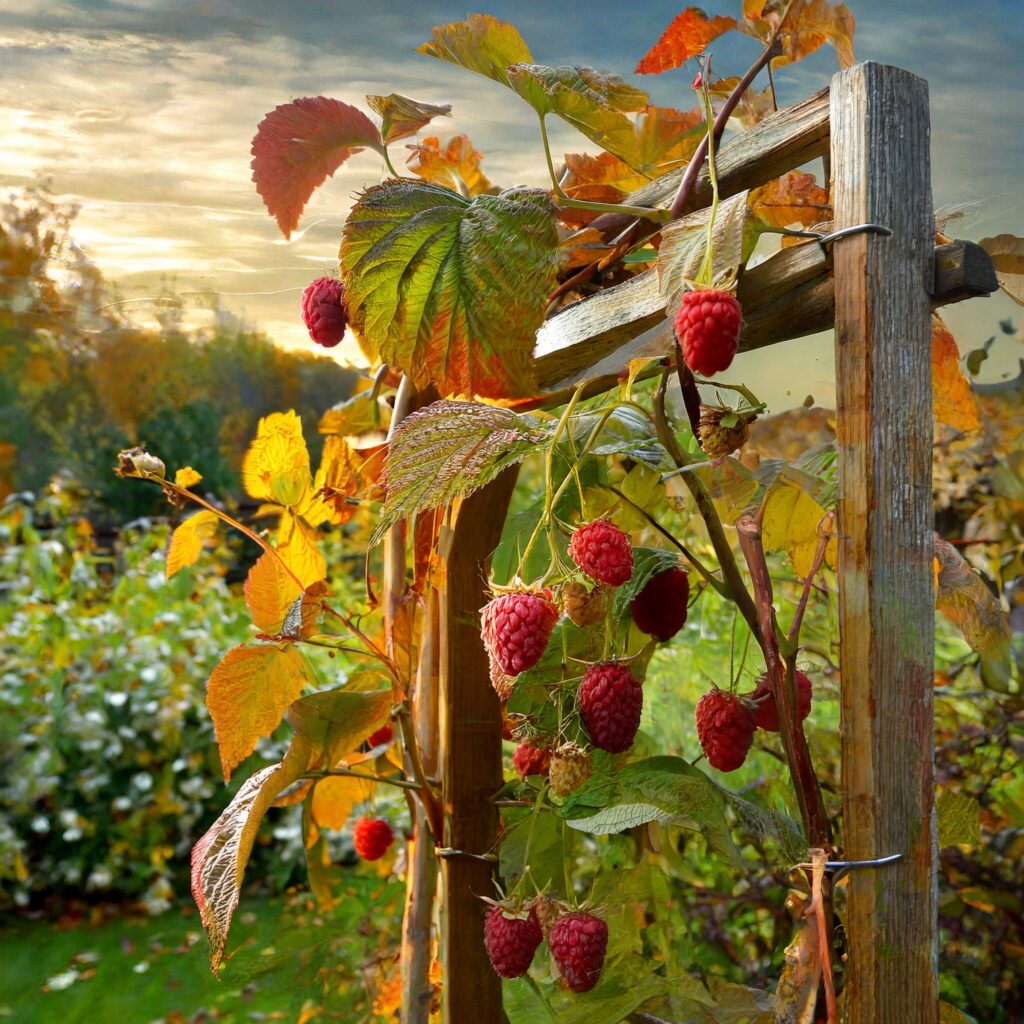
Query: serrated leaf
{"type": "Point", "coordinates": [276, 465]}
{"type": "Point", "coordinates": [247, 695]}
{"type": "Point", "coordinates": [189, 538]}
{"type": "Point", "coordinates": [481, 43]}
{"type": "Point", "coordinates": [455, 166]}
{"type": "Point", "coordinates": [684, 241]}
{"type": "Point", "coordinates": [269, 593]}
{"type": "Point", "coordinates": [541, 841]}
{"type": "Point", "coordinates": [220, 856]}
{"type": "Point", "coordinates": [955, 402]}
{"type": "Point", "coordinates": [769, 828]}
{"type": "Point", "coordinates": [793, 198]}
{"type": "Point", "coordinates": [401, 117]}
{"type": "Point", "coordinates": [790, 522]}
{"type": "Point", "coordinates": [300, 144]}
{"type": "Point", "coordinates": [959, 818]}
{"type": "Point", "coordinates": [448, 450]}
{"type": "Point", "coordinates": [449, 290]}
{"type": "Point", "coordinates": [687, 35]}
{"type": "Point", "coordinates": [337, 721]}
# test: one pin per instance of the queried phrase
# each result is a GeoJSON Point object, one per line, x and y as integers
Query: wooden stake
{"type": "Point", "coordinates": [880, 166]}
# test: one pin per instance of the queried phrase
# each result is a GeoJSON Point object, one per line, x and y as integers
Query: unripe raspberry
{"type": "Point", "coordinates": [578, 943]}
{"type": "Point", "coordinates": [603, 552]}
{"type": "Point", "coordinates": [371, 838]}
{"type": "Point", "coordinates": [609, 701]}
{"type": "Point", "coordinates": [708, 328]}
{"type": "Point", "coordinates": [324, 311]}
{"type": "Point", "coordinates": [718, 440]}
{"type": "Point", "coordinates": [570, 768]}
{"type": "Point", "coordinates": [531, 758]}
{"type": "Point", "coordinates": [511, 938]}
{"type": "Point", "coordinates": [766, 714]}
{"type": "Point", "coordinates": [660, 608]}
{"type": "Point", "coordinates": [515, 628]}
{"type": "Point", "coordinates": [585, 607]}
{"type": "Point", "coordinates": [385, 734]}
{"type": "Point", "coordinates": [725, 728]}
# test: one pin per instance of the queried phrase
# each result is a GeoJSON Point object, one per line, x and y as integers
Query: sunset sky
{"type": "Point", "coordinates": [143, 112]}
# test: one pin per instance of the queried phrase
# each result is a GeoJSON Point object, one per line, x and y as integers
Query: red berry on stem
{"type": "Point", "coordinates": [324, 311]}
{"type": "Point", "coordinates": [529, 759]}
{"type": "Point", "coordinates": [516, 627]}
{"type": "Point", "coordinates": [385, 734]}
{"type": "Point", "coordinates": [725, 728]}
{"type": "Point", "coordinates": [610, 700]}
{"type": "Point", "coordinates": [578, 942]}
{"type": "Point", "coordinates": [766, 715]}
{"type": "Point", "coordinates": [603, 552]}
{"type": "Point", "coordinates": [660, 608]}
{"type": "Point", "coordinates": [708, 328]}
{"type": "Point", "coordinates": [511, 940]}
{"type": "Point", "coordinates": [371, 838]}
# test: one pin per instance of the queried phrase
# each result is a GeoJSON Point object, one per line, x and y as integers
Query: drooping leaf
{"type": "Point", "coordinates": [794, 198]}
{"type": "Point", "coordinates": [481, 43]}
{"type": "Point", "coordinates": [797, 993]}
{"type": "Point", "coordinates": [451, 291]}
{"type": "Point", "coordinates": [220, 856]}
{"type": "Point", "coordinates": [276, 466]}
{"type": "Point", "coordinates": [402, 117]}
{"type": "Point", "coordinates": [300, 144]}
{"type": "Point", "coordinates": [455, 166]}
{"type": "Point", "coordinates": [1007, 252]}
{"type": "Point", "coordinates": [336, 721]}
{"type": "Point", "coordinates": [188, 540]}
{"type": "Point", "coordinates": [687, 35]}
{"type": "Point", "coordinates": [269, 593]}
{"type": "Point", "coordinates": [958, 816]}
{"type": "Point", "coordinates": [247, 695]}
{"type": "Point", "coordinates": [955, 402]}
{"type": "Point", "coordinates": [448, 450]}
{"type": "Point", "coordinates": [809, 25]}
{"type": "Point", "coordinates": [791, 521]}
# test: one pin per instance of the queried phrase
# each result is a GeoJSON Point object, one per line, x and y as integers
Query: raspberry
{"type": "Point", "coordinates": [610, 699]}
{"type": "Point", "coordinates": [725, 728]}
{"type": "Point", "coordinates": [660, 608]}
{"type": "Point", "coordinates": [384, 734]}
{"type": "Point", "coordinates": [718, 440]}
{"type": "Point", "coordinates": [515, 628]}
{"type": "Point", "coordinates": [708, 328]}
{"type": "Point", "coordinates": [570, 768]}
{"type": "Point", "coordinates": [371, 838]}
{"type": "Point", "coordinates": [585, 607]}
{"type": "Point", "coordinates": [578, 942]}
{"type": "Point", "coordinates": [766, 715]}
{"type": "Point", "coordinates": [529, 759]}
{"type": "Point", "coordinates": [511, 939]}
{"type": "Point", "coordinates": [324, 311]}
{"type": "Point", "coordinates": [603, 552]}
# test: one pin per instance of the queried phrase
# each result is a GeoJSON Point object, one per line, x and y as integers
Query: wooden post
{"type": "Point", "coordinates": [880, 167]}
{"type": "Point", "coordinates": [471, 773]}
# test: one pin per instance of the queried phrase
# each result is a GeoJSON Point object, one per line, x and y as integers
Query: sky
{"type": "Point", "coordinates": [142, 111]}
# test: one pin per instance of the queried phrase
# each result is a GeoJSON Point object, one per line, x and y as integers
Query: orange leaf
{"type": "Point", "coordinates": [457, 166]}
{"type": "Point", "coordinates": [809, 24]}
{"type": "Point", "coordinates": [955, 403]}
{"type": "Point", "coordinates": [795, 198]}
{"type": "Point", "coordinates": [686, 36]}
{"type": "Point", "coordinates": [667, 137]}
{"type": "Point", "coordinates": [269, 593]}
{"type": "Point", "coordinates": [335, 796]}
{"type": "Point", "coordinates": [247, 696]}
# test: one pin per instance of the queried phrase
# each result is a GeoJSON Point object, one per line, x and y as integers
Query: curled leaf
{"type": "Point", "coordinates": [402, 117]}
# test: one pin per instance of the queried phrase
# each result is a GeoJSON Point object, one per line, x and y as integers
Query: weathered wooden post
{"type": "Point", "coordinates": [880, 168]}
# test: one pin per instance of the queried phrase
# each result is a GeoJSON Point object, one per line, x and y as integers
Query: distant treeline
{"type": "Point", "coordinates": [79, 381]}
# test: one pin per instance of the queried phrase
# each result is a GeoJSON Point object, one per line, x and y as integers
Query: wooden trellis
{"type": "Point", "coordinates": [872, 126]}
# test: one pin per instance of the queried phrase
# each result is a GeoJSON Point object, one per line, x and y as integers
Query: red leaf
{"type": "Point", "coordinates": [687, 35]}
{"type": "Point", "coordinates": [300, 144]}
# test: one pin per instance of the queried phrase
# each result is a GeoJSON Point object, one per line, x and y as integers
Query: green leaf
{"type": "Point", "coordinates": [448, 450]}
{"type": "Point", "coordinates": [593, 102]}
{"type": "Point", "coordinates": [544, 848]}
{"type": "Point", "coordinates": [959, 818]}
{"type": "Point", "coordinates": [627, 431]}
{"type": "Point", "coordinates": [402, 117]}
{"type": "Point", "coordinates": [481, 43]}
{"type": "Point", "coordinates": [451, 291]}
{"type": "Point", "coordinates": [769, 828]}
{"type": "Point", "coordinates": [337, 721]}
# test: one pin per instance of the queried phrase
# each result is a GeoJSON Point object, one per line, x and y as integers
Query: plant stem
{"type": "Point", "coordinates": [705, 273]}
{"type": "Point", "coordinates": [349, 773]}
{"type": "Point", "coordinates": [388, 164]}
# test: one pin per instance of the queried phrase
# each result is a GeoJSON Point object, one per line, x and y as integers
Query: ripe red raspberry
{"type": "Point", "coordinates": [708, 328]}
{"type": "Point", "coordinates": [603, 552]}
{"type": "Point", "coordinates": [371, 838]}
{"type": "Point", "coordinates": [610, 699]}
{"type": "Point", "coordinates": [324, 311]}
{"type": "Point", "coordinates": [578, 942]}
{"type": "Point", "coordinates": [511, 939]}
{"type": "Point", "coordinates": [585, 607]}
{"type": "Point", "coordinates": [725, 728]}
{"type": "Point", "coordinates": [660, 608]}
{"type": "Point", "coordinates": [515, 628]}
{"type": "Point", "coordinates": [766, 715]}
{"type": "Point", "coordinates": [531, 758]}
{"type": "Point", "coordinates": [570, 768]}
{"type": "Point", "coordinates": [385, 734]}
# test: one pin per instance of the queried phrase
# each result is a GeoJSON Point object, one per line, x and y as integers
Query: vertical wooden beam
{"type": "Point", "coordinates": [470, 758]}
{"type": "Point", "coordinates": [880, 167]}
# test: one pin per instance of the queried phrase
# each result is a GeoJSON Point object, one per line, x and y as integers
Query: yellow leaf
{"type": "Point", "coordinates": [337, 479]}
{"type": "Point", "coordinates": [276, 466]}
{"type": "Point", "coordinates": [187, 477]}
{"type": "Point", "coordinates": [269, 593]}
{"type": "Point", "coordinates": [335, 796]}
{"type": "Point", "coordinates": [955, 403]}
{"type": "Point", "coordinates": [188, 540]}
{"type": "Point", "coordinates": [296, 544]}
{"type": "Point", "coordinates": [247, 696]}
{"type": "Point", "coordinates": [790, 523]}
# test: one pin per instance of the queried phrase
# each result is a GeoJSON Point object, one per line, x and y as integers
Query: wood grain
{"type": "Point", "coordinates": [880, 163]}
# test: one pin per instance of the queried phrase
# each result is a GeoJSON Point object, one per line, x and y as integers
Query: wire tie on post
{"type": "Point", "coordinates": [837, 868]}
{"type": "Point", "coordinates": [857, 229]}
